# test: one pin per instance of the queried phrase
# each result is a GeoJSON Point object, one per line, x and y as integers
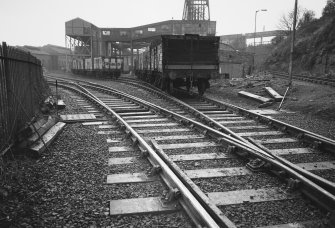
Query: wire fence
{"type": "Point", "coordinates": [22, 88]}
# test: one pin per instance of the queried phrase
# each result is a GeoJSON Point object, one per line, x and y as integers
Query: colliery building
{"type": "Point", "coordinates": [52, 57]}
{"type": "Point", "coordinates": [85, 39]}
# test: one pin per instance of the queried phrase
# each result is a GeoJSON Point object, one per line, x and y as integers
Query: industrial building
{"type": "Point", "coordinates": [88, 40]}
{"type": "Point", "coordinates": [234, 63]}
{"type": "Point", "coordinates": [52, 57]}
{"type": "Point", "coordinates": [85, 39]}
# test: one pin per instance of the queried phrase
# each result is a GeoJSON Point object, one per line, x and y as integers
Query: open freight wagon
{"type": "Point", "coordinates": [100, 67]}
{"type": "Point", "coordinates": [173, 61]}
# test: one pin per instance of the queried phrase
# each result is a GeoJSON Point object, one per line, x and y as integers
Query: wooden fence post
{"type": "Point", "coordinates": [31, 87]}
{"type": "Point", "coordinates": [5, 113]}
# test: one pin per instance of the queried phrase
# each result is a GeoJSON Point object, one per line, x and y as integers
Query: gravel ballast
{"type": "Point", "coordinates": [67, 187]}
{"type": "Point", "coordinates": [267, 213]}
{"type": "Point", "coordinates": [217, 184]}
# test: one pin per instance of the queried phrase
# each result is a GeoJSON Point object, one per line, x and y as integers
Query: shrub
{"type": "Point", "coordinates": [329, 9]}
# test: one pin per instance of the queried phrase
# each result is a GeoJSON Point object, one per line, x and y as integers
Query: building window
{"type": "Point", "coordinates": [165, 27]}
{"type": "Point", "coordinates": [123, 33]}
{"type": "Point", "coordinates": [138, 32]}
{"type": "Point", "coordinates": [106, 33]}
{"type": "Point", "coordinates": [151, 29]}
{"type": "Point", "coordinates": [86, 30]}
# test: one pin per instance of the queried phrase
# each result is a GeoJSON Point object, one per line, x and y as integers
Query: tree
{"type": "Point", "coordinates": [307, 17]}
{"type": "Point", "coordinates": [304, 16]}
{"type": "Point", "coordinates": [329, 9]}
{"type": "Point", "coordinates": [286, 20]}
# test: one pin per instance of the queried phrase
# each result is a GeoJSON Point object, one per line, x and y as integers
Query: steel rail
{"type": "Point", "coordinates": [318, 141]}
{"type": "Point", "coordinates": [188, 200]}
{"type": "Point", "coordinates": [327, 144]}
{"type": "Point", "coordinates": [318, 194]}
{"type": "Point", "coordinates": [316, 80]}
{"type": "Point", "coordinates": [329, 186]}
{"type": "Point", "coordinates": [180, 117]}
{"type": "Point", "coordinates": [210, 121]}
{"type": "Point", "coordinates": [304, 76]}
{"type": "Point", "coordinates": [323, 142]}
{"type": "Point", "coordinates": [307, 136]}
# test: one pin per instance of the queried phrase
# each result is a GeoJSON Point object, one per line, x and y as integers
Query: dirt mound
{"type": "Point", "coordinates": [314, 50]}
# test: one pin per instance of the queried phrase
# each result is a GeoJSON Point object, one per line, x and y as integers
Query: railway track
{"type": "Point", "coordinates": [210, 165]}
{"type": "Point", "coordinates": [286, 140]}
{"type": "Point", "coordinates": [125, 142]}
{"type": "Point", "coordinates": [309, 151]}
{"type": "Point", "coordinates": [316, 80]}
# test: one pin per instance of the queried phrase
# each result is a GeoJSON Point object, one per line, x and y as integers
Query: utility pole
{"type": "Point", "coordinates": [290, 70]}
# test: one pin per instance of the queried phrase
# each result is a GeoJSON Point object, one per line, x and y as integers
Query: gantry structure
{"type": "Point", "coordinates": [87, 39]}
{"type": "Point", "coordinates": [239, 41]}
{"type": "Point", "coordinates": [196, 10]}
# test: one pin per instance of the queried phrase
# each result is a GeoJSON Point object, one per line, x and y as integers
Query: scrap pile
{"type": "Point", "coordinates": [259, 89]}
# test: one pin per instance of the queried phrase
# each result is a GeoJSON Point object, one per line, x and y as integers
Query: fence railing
{"type": "Point", "coordinates": [22, 88]}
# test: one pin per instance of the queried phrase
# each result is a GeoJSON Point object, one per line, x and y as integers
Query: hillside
{"type": "Point", "coordinates": [314, 50]}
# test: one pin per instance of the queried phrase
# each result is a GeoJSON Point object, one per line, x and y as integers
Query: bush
{"type": "Point", "coordinates": [278, 39]}
{"type": "Point", "coordinates": [329, 9]}
{"type": "Point", "coordinates": [307, 18]}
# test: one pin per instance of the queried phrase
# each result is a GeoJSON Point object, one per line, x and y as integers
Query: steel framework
{"type": "Point", "coordinates": [196, 10]}
{"type": "Point", "coordinates": [79, 46]}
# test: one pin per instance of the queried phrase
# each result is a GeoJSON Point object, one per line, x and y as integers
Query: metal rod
{"type": "Point", "coordinates": [283, 98]}
{"type": "Point", "coordinates": [255, 36]}
{"type": "Point", "coordinates": [56, 98]}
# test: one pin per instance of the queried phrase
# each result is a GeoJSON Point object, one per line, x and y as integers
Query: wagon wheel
{"type": "Point", "coordinates": [201, 86]}
{"type": "Point", "coordinates": [170, 86]}
{"type": "Point", "coordinates": [188, 84]}
{"type": "Point", "coordinates": [157, 81]}
{"type": "Point", "coordinates": [162, 83]}
{"type": "Point", "coordinates": [165, 84]}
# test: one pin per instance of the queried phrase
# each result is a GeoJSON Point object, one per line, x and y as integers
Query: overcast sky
{"type": "Point", "coordinates": [40, 22]}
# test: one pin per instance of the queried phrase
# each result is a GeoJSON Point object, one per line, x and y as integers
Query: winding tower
{"type": "Point", "coordinates": [196, 10]}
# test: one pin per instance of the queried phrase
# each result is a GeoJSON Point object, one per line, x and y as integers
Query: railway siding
{"type": "Point", "coordinates": [135, 178]}
{"type": "Point", "coordinates": [208, 173]}
{"type": "Point", "coordinates": [186, 121]}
